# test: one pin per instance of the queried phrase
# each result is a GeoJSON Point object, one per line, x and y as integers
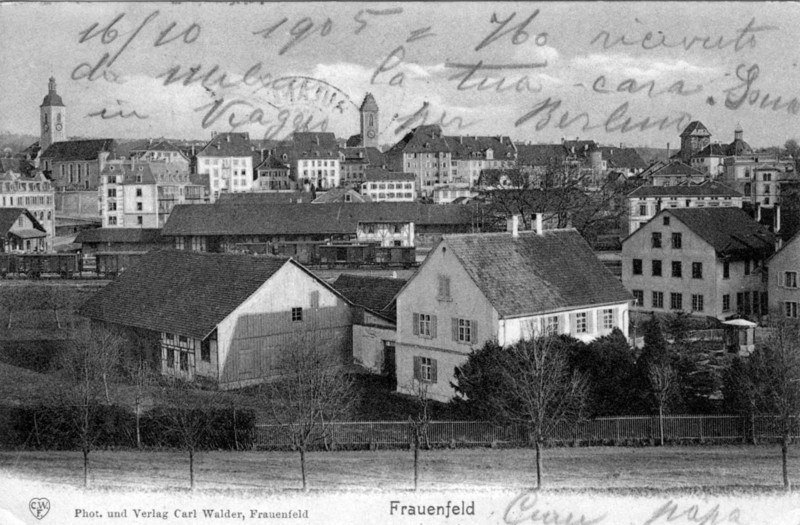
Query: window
{"type": "Point", "coordinates": [726, 303]}
{"type": "Point", "coordinates": [551, 325]}
{"type": "Point", "coordinates": [464, 330]}
{"type": "Point", "coordinates": [677, 240]}
{"type": "Point", "coordinates": [726, 270]}
{"type": "Point", "coordinates": [697, 303]}
{"type": "Point", "coordinates": [112, 221]}
{"type": "Point", "coordinates": [697, 270]}
{"type": "Point", "coordinates": [676, 269]}
{"type": "Point", "coordinates": [425, 369]}
{"type": "Point", "coordinates": [656, 239]}
{"type": "Point", "coordinates": [112, 206]}
{"type": "Point", "coordinates": [666, 220]}
{"type": "Point", "coordinates": [138, 192]}
{"type": "Point", "coordinates": [205, 351]}
{"type": "Point", "coordinates": [179, 243]}
{"type": "Point", "coordinates": [297, 313]}
{"type": "Point", "coordinates": [790, 309]}
{"type": "Point", "coordinates": [608, 318]}
{"type": "Point", "coordinates": [138, 206]}
{"type": "Point", "coordinates": [184, 361]}
{"type": "Point", "coordinates": [637, 267]}
{"type": "Point", "coordinates": [170, 358]}
{"type": "Point", "coordinates": [676, 301]}
{"type": "Point", "coordinates": [790, 279]}
{"type": "Point", "coordinates": [658, 299]}
{"type": "Point", "coordinates": [424, 325]}
{"type": "Point", "coordinates": [443, 289]}
{"type": "Point", "coordinates": [656, 267]}
{"type": "Point", "coordinates": [112, 193]}
{"type": "Point", "coordinates": [139, 220]}
{"type": "Point", "coordinates": [643, 210]}
{"type": "Point", "coordinates": [638, 297]}
{"type": "Point", "coordinates": [581, 324]}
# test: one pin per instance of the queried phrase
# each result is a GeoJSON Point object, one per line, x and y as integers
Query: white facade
{"type": "Point", "coordinates": [36, 194]}
{"type": "Point", "coordinates": [642, 209]}
{"type": "Point", "coordinates": [321, 173]}
{"type": "Point", "coordinates": [398, 190]}
{"type": "Point", "coordinates": [226, 174]}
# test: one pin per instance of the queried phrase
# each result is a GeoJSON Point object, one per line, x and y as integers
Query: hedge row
{"type": "Point", "coordinates": [110, 426]}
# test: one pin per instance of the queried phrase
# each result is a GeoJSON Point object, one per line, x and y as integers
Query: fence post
{"type": "Point", "coordinates": [616, 421]}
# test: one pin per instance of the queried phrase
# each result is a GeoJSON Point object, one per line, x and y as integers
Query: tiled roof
{"type": "Point", "coordinates": [301, 219]}
{"type": "Point", "coordinates": [369, 103]}
{"type": "Point", "coordinates": [422, 139]}
{"type": "Point", "coordinates": [375, 293]}
{"type": "Point", "coordinates": [271, 163]}
{"type": "Point", "coordinates": [338, 195]}
{"type": "Point", "coordinates": [627, 158]}
{"type": "Point", "coordinates": [695, 128]}
{"type": "Point", "coordinates": [155, 145]}
{"type": "Point", "coordinates": [676, 168]}
{"type": "Point", "coordinates": [267, 197]}
{"type": "Point", "coordinates": [120, 235]}
{"type": "Point", "coordinates": [227, 145]}
{"type": "Point", "coordinates": [533, 273]}
{"type": "Point", "coordinates": [731, 231]}
{"type": "Point", "coordinates": [540, 154]}
{"type": "Point", "coordinates": [181, 292]}
{"type": "Point", "coordinates": [8, 216]}
{"type": "Point", "coordinates": [738, 147]}
{"type": "Point", "coordinates": [712, 150]}
{"type": "Point", "coordinates": [380, 174]}
{"type": "Point", "coordinates": [78, 149]}
{"type": "Point", "coordinates": [707, 188]}
{"type": "Point", "coordinates": [315, 145]}
{"type": "Point", "coordinates": [579, 147]}
{"type": "Point", "coordinates": [476, 147]}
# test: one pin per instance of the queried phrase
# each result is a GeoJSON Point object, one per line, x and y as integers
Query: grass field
{"type": "Point", "coordinates": [681, 469]}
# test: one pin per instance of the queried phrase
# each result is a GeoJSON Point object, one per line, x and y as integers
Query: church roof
{"type": "Point", "coordinates": [696, 128]}
{"type": "Point", "coordinates": [369, 103]}
{"type": "Point", "coordinates": [79, 149]}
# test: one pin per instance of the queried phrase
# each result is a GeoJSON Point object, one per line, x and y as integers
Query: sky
{"type": "Point", "coordinates": [619, 73]}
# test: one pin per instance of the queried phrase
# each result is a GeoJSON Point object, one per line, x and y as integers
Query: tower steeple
{"type": "Point", "coordinates": [53, 117]}
{"type": "Point", "coordinates": [369, 122]}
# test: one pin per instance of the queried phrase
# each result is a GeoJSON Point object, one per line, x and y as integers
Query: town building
{"type": "Point", "coordinates": [136, 194]}
{"type": "Point", "coordinates": [227, 159]}
{"type": "Point", "coordinates": [381, 185]}
{"type": "Point", "coordinates": [704, 261]}
{"type": "Point", "coordinates": [231, 318]}
{"type": "Point", "coordinates": [784, 281]}
{"type": "Point", "coordinates": [20, 232]}
{"type": "Point", "coordinates": [53, 118]}
{"type": "Point", "coordinates": [315, 159]}
{"type": "Point", "coordinates": [34, 193]}
{"type": "Point", "coordinates": [424, 152]}
{"type": "Point", "coordinates": [356, 161]}
{"type": "Point", "coordinates": [374, 319]}
{"type": "Point", "coordinates": [273, 174]}
{"type": "Point", "coordinates": [473, 154]}
{"type": "Point", "coordinates": [672, 172]}
{"type": "Point", "coordinates": [451, 193]}
{"type": "Point", "coordinates": [500, 286]}
{"type": "Point", "coordinates": [118, 240]}
{"type": "Point", "coordinates": [694, 138]}
{"type": "Point", "coordinates": [161, 150]}
{"type": "Point", "coordinates": [76, 165]}
{"type": "Point", "coordinates": [646, 201]}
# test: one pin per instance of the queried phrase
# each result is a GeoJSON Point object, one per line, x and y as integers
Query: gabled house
{"type": "Point", "coordinates": [706, 261]}
{"type": "Point", "coordinates": [503, 286]}
{"type": "Point", "coordinates": [671, 173]}
{"type": "Point", "coordinates": [784, 281]}
{"type": "Point", "coordinates": [225, 318]}
{"type": "Point", "coordinates": [381, 185]}
{"type": "Point", "coordinates": [21, 232]}
{"type": "Point", "coordinates": [227, 159]}
{"type": "Point", "coordinates": [374, 318]}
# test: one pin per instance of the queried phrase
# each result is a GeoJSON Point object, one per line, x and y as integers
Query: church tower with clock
{"type": "Point", "coordinates": [53, 118]}
{"type": "Point", "coordinates": [369, 122]}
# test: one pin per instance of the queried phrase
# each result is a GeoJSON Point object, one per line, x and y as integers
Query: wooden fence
{"type": "Point", "coordinates": [606, 430]}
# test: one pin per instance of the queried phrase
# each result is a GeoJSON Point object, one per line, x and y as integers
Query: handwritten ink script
{"type": "Point", "coordinates": [526, 508]}
{"type": "Point", "coordinates": [302, 68]}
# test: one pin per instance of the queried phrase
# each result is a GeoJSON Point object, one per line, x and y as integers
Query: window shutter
{"type": "Point", "coordinates": [454, 325]}
{"type": "Point", "coordinates": [417, 368]}
{"type": "Point", "coordinates": [415, 323]}
{"type": "Point", "coordinates": [433, 327]}
{"type": "Point", "coordinates": [474, 326]}
{"type": "Point", "coordinates": [573, 323]}
{"type": "Point", "coordinates": [434, 373]}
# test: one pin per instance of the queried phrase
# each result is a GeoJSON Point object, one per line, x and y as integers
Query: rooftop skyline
{"type": "Point", "coordinates": [536, 72]}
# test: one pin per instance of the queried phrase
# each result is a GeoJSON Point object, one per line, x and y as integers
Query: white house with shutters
{"type": "Point", "coordinates": [504, 286]}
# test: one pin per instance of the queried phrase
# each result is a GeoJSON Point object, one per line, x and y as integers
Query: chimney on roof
{"type": "Point", "coordinates": [667, 150]}
{"type": "Point", "coordinates": [512, 226]}
{"type": "Point", "coordinates": [538, 223]}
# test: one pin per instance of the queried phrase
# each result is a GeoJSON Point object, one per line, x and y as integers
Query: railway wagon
{"type": "Point", "coordinates": [350, 255]}
{"type": "Point", "coordinates": [405, 256]}
{"type": "Point", "coordinates": [110, 264]}
{"type": "Point", "coordinates": [38, 265]}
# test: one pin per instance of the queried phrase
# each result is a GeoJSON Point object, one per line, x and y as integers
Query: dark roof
{"type": "Point", "coordinates": [731, 231]}
{"type": "Point", "coordinates": [738, 147]}
{"type": "Point", "coordinates": [300, 219]}
{"type": "Point", "coordinates": [314, 145]}
{"type": "Point", "coordinates": [227, 145]}
{"type": "Point", "coordinates": [622, 158]}
{"type": "Point", "coordinates": [707, 188]}
{"type": "Point", "coordinates": [8, 216]}
{"type": "Point", "coordinates": [533, 273]}
{"type": "Point", "coordinates": [338, 195]}
{"type": "Point", "coordinates": [120, 235]}
{"type": "Point", "coordinates": [369, 103]}
{"type": "Point", "coordinates": [427, 138]}
{"type": "Point", "coordinates": [476, 147]}
{"type": "Point", "coordinates": [374, 293]}
{"type": "Point", "coordinates": [267, 197]}
{"type": "Point", "coordinates": [79, 149]}
{"type": "Point", "coordinates": [676, 167]}
{"type": "Point", "coordinates": [579, 147]}
{"type": "Point", "coordinates": [712, 150]}
{"type": "Point", "coordinates": [271, 163]}
{"type": "Point", "coordinates": [380, 174]}
{"type": "Point", "coordinates": [540, 154]}
{"type": "Point", "coordinates": [695, 128]}
{"type": "Point", "coordinates": [181, 292]}
{"type": "Point", "coordinates": [155, 145]}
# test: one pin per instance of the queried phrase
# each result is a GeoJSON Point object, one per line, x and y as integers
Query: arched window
{"type": "Point", "coordinates": [371, 122]}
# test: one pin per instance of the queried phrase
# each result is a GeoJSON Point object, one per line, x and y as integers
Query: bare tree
{"type": "Point", "coordinates": [662, 380]}
{"type": "Point", "coordinates": [140, 374]}
{"type": "Point", "coordinates": [781, 362]}
{"type": "Point", "coordinates": [85, 366]}
{"type": "Point", "coordinates": [311, 391]}
{"type": "Point", "coordinates": [419, 425]}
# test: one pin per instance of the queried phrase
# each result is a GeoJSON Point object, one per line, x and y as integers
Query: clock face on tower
{"type": "Point", "coordinates": [58, 127]}
{"type": "Point", "coordinates": [371, 133]}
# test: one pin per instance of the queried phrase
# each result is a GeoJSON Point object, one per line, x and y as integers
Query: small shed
{"type": "Point", "coordinates": [739, 336]}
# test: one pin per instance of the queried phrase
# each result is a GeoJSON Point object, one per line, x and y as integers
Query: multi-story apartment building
{"type": "Point", "coordinates": [473, 154]}
{"type": "Point", "coordinates": [35, 193]}
{"type": "Point", "coordinates": [274, 175]}
{"type": "Point", "coordinates": [646, 201]}
{"type": "Point", "coordinates": [162, 151]}
{"type": "Point", "coordinates": [228, 161]}
{"type": "Point", "coordinates": [315, 159]}
{"type": "Point", "coordinates": [500, 286]}
{"type": "Point", "coordinates": [706, 261]}
{"type": "Point", "coordinates": [427, 154]}
{"type": "Point", "coordinates": [387, 186]}
{"type": "Point", "coordinates": [784, 281]}
{"type": "Point", "coordinates": [355, 161]}
{"type": "Point", "coordinates": [142, 194]}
